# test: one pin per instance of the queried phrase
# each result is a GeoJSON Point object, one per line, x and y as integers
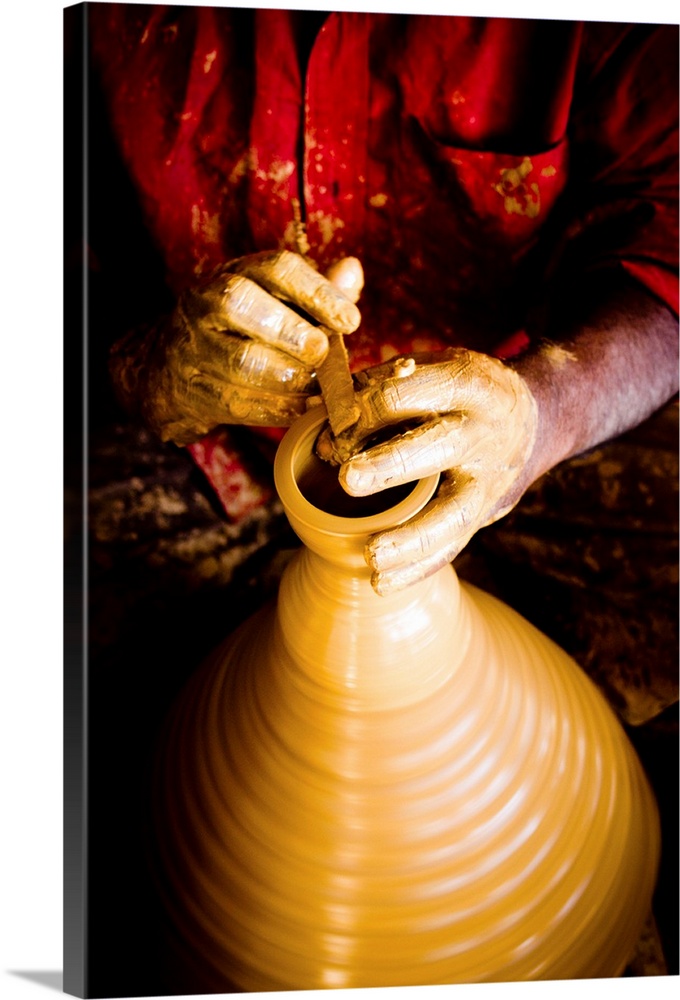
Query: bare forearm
{"type": "Point", "coordinates": [606, 374]}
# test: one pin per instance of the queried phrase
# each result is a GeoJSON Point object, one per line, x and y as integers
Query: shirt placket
{"type": "Point", "coordinates": [273, 168]}
{"type": "Point", "coordinates": [335, 137]}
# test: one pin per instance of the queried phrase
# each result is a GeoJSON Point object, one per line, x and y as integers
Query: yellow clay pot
{"type": "Point", "coordinates": [414, 789]}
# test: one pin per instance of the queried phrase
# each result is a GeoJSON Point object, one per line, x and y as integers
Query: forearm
{"type": "Point", "coordinates": [603, 374]}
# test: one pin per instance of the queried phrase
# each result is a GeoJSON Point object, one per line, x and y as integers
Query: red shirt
{"type": "Point", "coordinates": [468, 162]}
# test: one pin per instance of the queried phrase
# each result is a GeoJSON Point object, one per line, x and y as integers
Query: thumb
{"type": "Point", "coordinates": [347, 275]}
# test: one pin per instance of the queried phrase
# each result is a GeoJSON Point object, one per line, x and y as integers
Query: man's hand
{"type": "Point", "coordinates": [241, 348]}
{"type": "Point", "coordinates": [457, 412]}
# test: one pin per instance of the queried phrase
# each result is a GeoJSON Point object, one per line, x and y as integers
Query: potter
{"type": "Point", "coordinates": [515, 210]}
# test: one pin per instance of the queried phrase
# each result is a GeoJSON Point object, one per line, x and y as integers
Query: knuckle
{"type": "Point", "coordinates": [283, 264]}
{"type": "Point", "coordinates": [233, 285]}
{"type": "Point", "coordinates": [284, 257]}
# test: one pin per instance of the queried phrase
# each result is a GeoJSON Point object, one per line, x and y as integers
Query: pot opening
{"type": "Point", "coordinates": [318, 483]}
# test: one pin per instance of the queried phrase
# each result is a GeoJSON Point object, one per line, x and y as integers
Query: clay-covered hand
{"type": "Point", "coordinates": [457, 412]}
{"type": "Point", "coordinates": [240, 348]}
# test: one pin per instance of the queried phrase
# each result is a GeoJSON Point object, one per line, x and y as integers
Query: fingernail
{"type": "Point", "coordinates": [344, 315]}
{"type": "Point", "coordinates": [379, 554]}
{"type": "Point", "coordinates": [356, 479]}
{"type": "Point", "coordinates": [384, 585]}
{"type": "Point", "coordinates": [312, 346]}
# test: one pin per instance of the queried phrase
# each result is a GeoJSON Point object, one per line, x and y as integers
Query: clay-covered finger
{"type": "Point", "coordinates": [442, 525]}
{"type": "Point", "coordinates": [289, 276]}
{"type": "Point", "coordinates": [237, 404]}
{"type": "Point", "coordinates": [242, 361]}
{"type": "Point", "coordinates": [433, 538]}
{"type": "Point", "coordinates": [246, 308]}
{"type": "Point", "coordinates": [391, 581]}
{"type": "Point", "coordinates": [432, 447]}
{"type": "Point", "coordinates": [412, 390]}
{"type": "Point", "coordinates": [399, 364]}
{"type": "Point", "coordinates": [406, 389]}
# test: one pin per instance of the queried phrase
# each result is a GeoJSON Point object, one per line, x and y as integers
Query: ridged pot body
{"type": "Point", "coordinates": [416, 789]}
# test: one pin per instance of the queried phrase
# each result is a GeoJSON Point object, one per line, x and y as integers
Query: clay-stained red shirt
{"type": "Point", "coordinates": [468, 162]}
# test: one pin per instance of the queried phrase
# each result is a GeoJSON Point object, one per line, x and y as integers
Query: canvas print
{"type": "Point", "coordinates": [371, 499]}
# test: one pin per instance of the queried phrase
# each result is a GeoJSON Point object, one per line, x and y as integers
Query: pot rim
{"type": "Point", "coordinates": [297, 445]}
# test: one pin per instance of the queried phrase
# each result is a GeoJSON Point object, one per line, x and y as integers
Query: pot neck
{"type": "Point", "coordinates": [347, 645]}
{"type": "Point", "coordinates": [329, 522]}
